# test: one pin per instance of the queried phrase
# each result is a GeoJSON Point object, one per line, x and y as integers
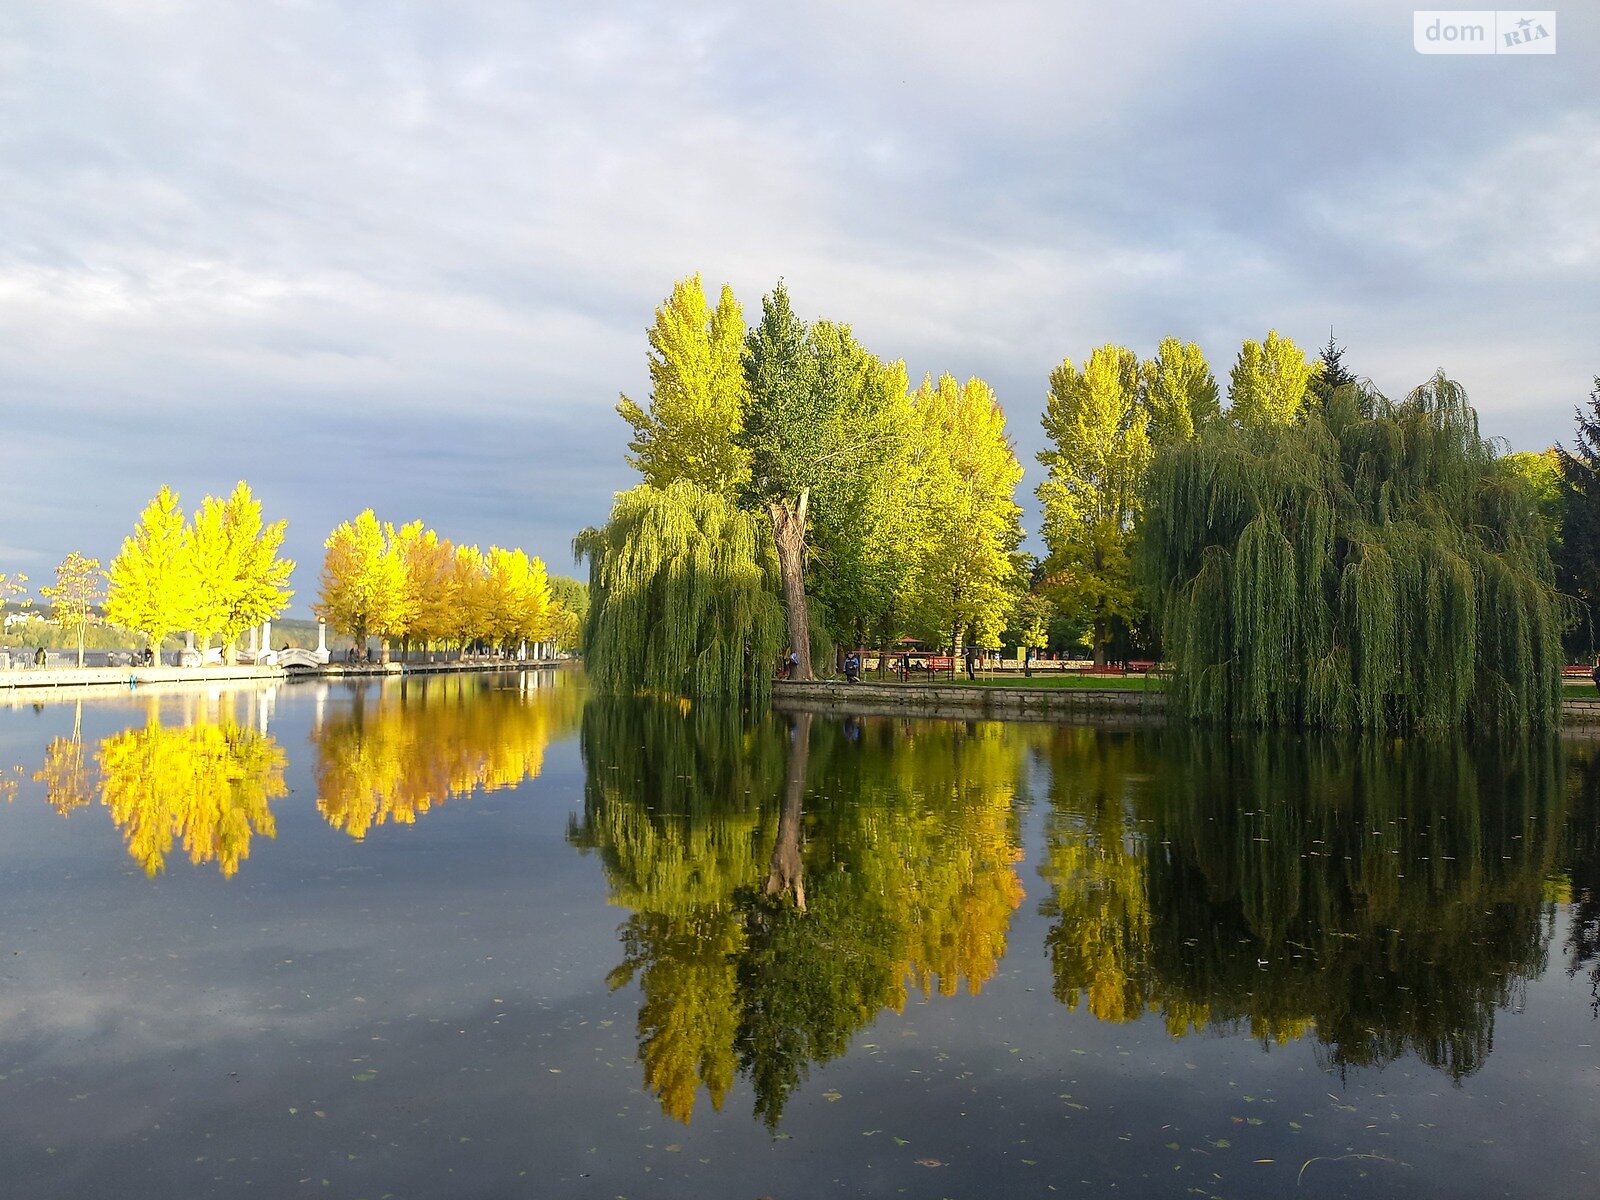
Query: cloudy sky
{"type": "Point", "coordinates": [403, 255]}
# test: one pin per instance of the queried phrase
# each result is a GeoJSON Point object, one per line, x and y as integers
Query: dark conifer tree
{"type": "Point", "coordinates": [1334, 373]}
{"type": "Point", "coordinates": [1578, 560]}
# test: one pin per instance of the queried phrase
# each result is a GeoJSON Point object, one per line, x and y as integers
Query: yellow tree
{"type": "Point", "coordinates": [153, 588]}
{"type": "Point", "coordinates": [518, 604]}
{"type": "Point", "coordinates": [208, 785]}
{"type": "Point", "coordinates": [1099, 431]}
{"type": "Point", "coordinates": [362, 580]}
{"type": "Point", "coordinates": [697, 394]}
{"type": "Point", "coordinates": [470, 582]}
{"type": "Point", "coordinates": [76, 591]}
{"type": "Point", "coordinates": [1269, 381]}
{"type": "Point", "coordinates": [965, 513]}
{"type": "Point", "coordinates": [428, 591]}
{"type": "Point", "coordinates": [1180, 392]}
{"type": "Point", "coordinates": [242, 581]}
{"type": "Point", "coordinates": [13, 585]}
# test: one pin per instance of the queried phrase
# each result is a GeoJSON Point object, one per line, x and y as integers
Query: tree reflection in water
{"type": "Point", "coordinates": [792, 879]}
{"type": "Point", "coordinates": [206, 782]}
{"type": "Point", "coordinates": [207, 779]}
{"type": "Point", "coordinates": [410, 744]}
{"type": "Point", "coordinates": [1582, 885]}
{"type": "Point", "coordinates": [1386, 895]}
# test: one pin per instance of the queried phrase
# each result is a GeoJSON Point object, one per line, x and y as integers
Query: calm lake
{"type": "Point", "coordinates": [484, 936]}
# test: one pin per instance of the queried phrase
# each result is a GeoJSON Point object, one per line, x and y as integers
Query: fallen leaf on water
{"type": "Point", "coordinates": [929, 1162]}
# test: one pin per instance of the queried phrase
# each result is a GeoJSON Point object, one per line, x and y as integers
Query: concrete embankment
{"type": "Point", "coordinates": [101, 678]}
{"type": "Point", "coordinates": [1112, 705]}
{"type": "Point", "coordinates": [1101, 705]}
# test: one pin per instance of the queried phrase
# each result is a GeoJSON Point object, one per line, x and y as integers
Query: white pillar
{"type": "Point", "coordinates": [188, 640]}
{"type": "Point", "coordinates": [253, 648]}
{"type": "Point", "coordinates": [266, 635]}
{"type": "Point", "coordinates": [322, 637]}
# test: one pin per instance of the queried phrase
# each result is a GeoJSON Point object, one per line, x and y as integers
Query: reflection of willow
{"type": "Point", "coordinates": [765, 936]}
{"type": "Point", "coordinates": [415, 743]}
{"type": "Point", "coordinates": [1388, 894]}
{"type": "Point", "coordinates": [208, 784]}
{"type": "Point", "coordinates": [1583, 886]}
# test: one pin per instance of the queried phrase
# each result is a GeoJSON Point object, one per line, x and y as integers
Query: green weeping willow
{"type": "Point", "coordinates": [1372, 565]}
{"type": "Point", "coordinates": [682, 597]}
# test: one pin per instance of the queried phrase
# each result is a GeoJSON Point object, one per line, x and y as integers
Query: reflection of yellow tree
{"type": "Point", "coordinates": [208, 784]}
{"type": "Point", "coordinates": [417, 743]}
{"type": "Point", "coordinates": [1094, 863]}
{"type": "Point", "coordinates": [943, 845]}
{"type": "Point", "coordinates": [904, 852]}
{"type": "Point", "coordinates": [65, 774]}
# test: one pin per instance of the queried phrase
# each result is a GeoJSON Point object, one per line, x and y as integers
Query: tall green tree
{"type": "Point", "coordinates": [1099, 427]}
{"type": "Point", "coordinates": [822, 429]}
{"type": "Point", "coordinates": [152, 584]}
{"type": "Point", "coordinates": [1269, 381]}
{"type": "Point", "coordinates": [77, 589]}
{"type": "Point", "coordinates": [697, 394]}
{"type": "Point", "coordinates": [788, 432]}
{"type": "Point", "coordinates": [861, 537]}
{"type": "Point", "coordinates": [968, 524]}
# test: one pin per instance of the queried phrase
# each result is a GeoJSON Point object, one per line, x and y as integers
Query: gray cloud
{"type": "Point", "coordinates": [404, 257]}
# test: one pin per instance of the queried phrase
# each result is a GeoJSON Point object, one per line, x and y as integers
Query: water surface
{"type": "Point", "coordinates": [472, 936]}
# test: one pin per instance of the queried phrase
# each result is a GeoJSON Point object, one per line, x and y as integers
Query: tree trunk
{"type": "Point", "coordinates": [1099, 642]}
{"type": "Point", "coordinates": [789, 532]}
{"type": "Point", "coordinates": [81, 630]}
{"type": "Point", "coordinates": [787, 873]}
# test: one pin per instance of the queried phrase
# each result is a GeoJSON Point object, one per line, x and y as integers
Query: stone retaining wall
{"type": "Point", "coordinates": [1025, 703]}
{"type": "Point", "coordinates": [998, 703]}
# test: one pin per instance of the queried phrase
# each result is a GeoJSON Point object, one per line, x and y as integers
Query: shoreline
{"type": "Point", "coordinates": [98, 680]}
{"type": "Point", "coordinates": [1123, 706]}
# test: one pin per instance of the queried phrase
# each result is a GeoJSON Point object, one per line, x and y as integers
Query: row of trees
{"type": "Point", "coordinates": [1309, 552]}
{"type": "Point", "coordinates": [408, 584]}
{"type": "Point", "coordinates": [218, 574]}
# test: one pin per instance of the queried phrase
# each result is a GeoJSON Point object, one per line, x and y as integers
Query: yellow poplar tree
{"type": "Point", "coordinates": [1180, 392]}
{"type": "Point", "coordinates": [428, 592]}
{"type": "Point", "coordinates": [697, 394]}
{"type": "Point", "coordinates": [1269, 381]}
{"type": "Point", "coordinates": [1099, 431]}
{"type": "Point", "coordinates": [966, 516]}
{"type": "Point", "coordinates": [470, 582]}
{"type": "Point", "coordinates": [241, 579]}
{"type": "Point", "coordinates": [362, 580]}
{"type": "Point", "coordinates": [518, 597]}
{"type": "Point", "coordinates": [152, 581]}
